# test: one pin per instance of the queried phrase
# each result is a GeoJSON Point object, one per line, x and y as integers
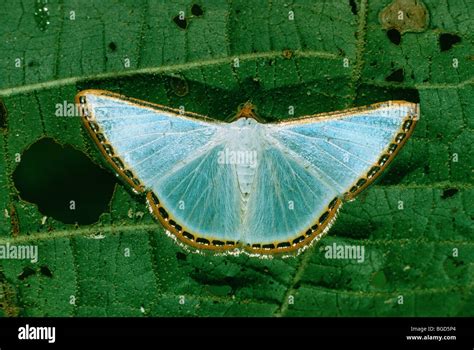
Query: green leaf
{"type": "Point", "coordinates": [415, 223]}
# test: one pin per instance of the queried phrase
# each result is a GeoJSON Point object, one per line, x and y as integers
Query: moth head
{"type": "Point", "coordinates": [247, 110]}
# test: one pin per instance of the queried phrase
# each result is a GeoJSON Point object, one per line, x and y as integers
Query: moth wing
{"type": "Point", "coordinates": [173, 158]}
{"type": "Point", "coordinates": [310, 164]}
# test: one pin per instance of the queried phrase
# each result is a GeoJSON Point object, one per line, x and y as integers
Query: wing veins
{"type": "Point", "coordinates": [199, 152]}
{"type": "Point", "coordinates": [282, 206]}
{"type": "Point", "coordinates": [202, 192]}
{"type": "Point", "coordinates": [337, 160]}
{"type": "Point", "coordinates": [337, 138]}
{"type": "Point", "coordinates": [295, 175]}
{"type": "Point", "coordinates": [366, 125]}
{"type": "Point", "coordinates": [135, 125]}
{"type": "Point", "coordinates": [333, 144]}
{"type": "Point", "coordinates": [315, 169]}
{"type": "Point", "coordinates": [162, 133]}
{"type": "Point", "coordinates": [193, 172]}
{"type": "Point", "coordinates": [346, 130]}
{"type": "Point", "coordinates": [146, 144]}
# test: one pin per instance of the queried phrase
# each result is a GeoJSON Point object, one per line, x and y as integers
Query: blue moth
{"type": "Point", "coordinates": [246, 185]}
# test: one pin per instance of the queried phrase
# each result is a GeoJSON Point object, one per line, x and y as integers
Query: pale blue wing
{"type": "Point", "coordinates": [204, 196]}
{"type": "Point", "coordinates": [175, 157]}
{"type": "Point", "coordinates": [311, 161]}
{"type": "Point", "coordinates": [148, 140]}
{"type": "Point", "coordinates": [287, 196]}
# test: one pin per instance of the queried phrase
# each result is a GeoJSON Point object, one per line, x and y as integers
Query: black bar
{"type": "Point", "coordinates": [363, 331]}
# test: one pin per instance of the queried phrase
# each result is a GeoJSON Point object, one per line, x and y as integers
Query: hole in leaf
{"type": "Point", "coordinates": [63, 182]}
{"type": "Point", "coordinates": [182, 23]}
{"type": "Point", "coordinates": [33, 64]}
{"type": "Point", "coordinates": [446, 41]}
{"type": "Point", "coordinates": [353, 5]}
{"type": "Point", "coordinates": [196, 10]}
{"type": "Point", "coordinates": [27, 272]}
{"type": "Point", "coordinates": [181, 256]}
{"type": "Point", "coordinates": [112, 46]}
{"type": "Point", "coordinates": [394, 36]}
{"type": "Point", "coordinates": [449, 192]}
{"type": "Point", "coordinates": [396, 76]}
{"type": "Point", "coordinates": [45, 271]}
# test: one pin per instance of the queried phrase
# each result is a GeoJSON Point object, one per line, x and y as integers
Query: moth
{"type": "Point", "coordinates": [245, 185]}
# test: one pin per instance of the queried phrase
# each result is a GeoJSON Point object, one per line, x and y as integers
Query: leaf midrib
{"type": "Point", "coordinates": [161, 69]}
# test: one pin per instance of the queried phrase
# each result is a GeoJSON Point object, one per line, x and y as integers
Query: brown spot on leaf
{"type": "Point", "coordinates": [15, 225]}
{"type": "Point", "coordinates": [8, 297]}
{"type": "Point", "coordinates": [179, 86]}
{"type": "Point", "coordinates": [287, 54]}
{"type": "Point", "coordinates": [405, 16]}
{"type": "Point", "coordinates": [3, 116]}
